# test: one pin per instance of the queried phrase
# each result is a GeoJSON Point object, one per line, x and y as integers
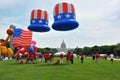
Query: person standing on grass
{"type": "Point", "coordinates": [93, 57]}
{"type": "Point", "coordinates": [67, 58]}
{"type": "Point", "coordinates": [97, 55]}
{"type": "Point", "coordinates": [82, 57]}
{"type": "Point", "coordinates": [17, 57]}
{"type": "Point", "coordinates": [47, 57]}
{"type": "Point", "coordinates": [105, 57]}
{"type": "Point", "coordinates": [40, 57]}
{"type": "Point", "coordinates": [61, 58]}
{"type": "Point", "coordinates": [51, 58]}
{"type": "Point", "coordinates": [27, 58]}
{"type": "Point", "coordinates": [34, 57]}
{"type": "Point", "coordinates": [71, 58]}
{"type": "Point", "coordinates": [111, 57]}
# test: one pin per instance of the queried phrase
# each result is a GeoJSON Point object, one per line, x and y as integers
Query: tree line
{"type": "Point", "coordinates": [106, 49]}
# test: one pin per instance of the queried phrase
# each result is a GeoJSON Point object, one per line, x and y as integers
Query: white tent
{"type": "Point", "coordinates": [58, 53]}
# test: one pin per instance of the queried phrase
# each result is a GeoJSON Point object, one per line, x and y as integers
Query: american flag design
{"type": "Point", "coordinates": [39, 17]}
{"type": "Point", "coordinates": [64, 11]}
{"type": "Point", "coordinates": [22, 38]}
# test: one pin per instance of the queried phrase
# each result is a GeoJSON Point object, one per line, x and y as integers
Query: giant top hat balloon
{"type": "Point", "coordinates": [64, 17]}
{"type": "Point", "coordinates": [39, 21]}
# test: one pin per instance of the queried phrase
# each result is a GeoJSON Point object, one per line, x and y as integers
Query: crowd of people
{"type": "Point", "coordinates": [96, 57]}
{"type": "Point", "coordinates": [49, 58]}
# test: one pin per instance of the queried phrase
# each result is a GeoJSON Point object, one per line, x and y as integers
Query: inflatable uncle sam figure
{"type": "Point", "coordinates": [39, 21]}
{"type": "Point", "coordinates": [64, 17]}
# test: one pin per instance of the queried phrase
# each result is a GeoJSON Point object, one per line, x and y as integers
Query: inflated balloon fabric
{"type": "Point", "coordinates": [64, 17]}
{"type": "Point", "coordinates": [39, 21]}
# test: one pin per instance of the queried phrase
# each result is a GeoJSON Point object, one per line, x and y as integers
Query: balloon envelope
{"type": "Point", "coordinates": [10, 52]}
{"type": "Point", "coordinates": [31, 49]}
{"type": "Point", "coordinates": [34, 42]}
{"type": "Point", "coordinates": [64, 17]}
{"type": "Point", "coordinates": [22, 51]}
{"type": "Point", "coordinates": [39, 21]}
{"type": "Point", "coordinates": [22, 38]}
{"type": "Point", "coordinates": [3, 49]}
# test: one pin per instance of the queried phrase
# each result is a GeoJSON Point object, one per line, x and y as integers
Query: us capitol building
{"type": "Point", "coordinates": [63, 48]}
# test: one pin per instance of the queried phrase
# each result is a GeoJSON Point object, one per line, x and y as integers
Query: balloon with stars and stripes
{"type": "Point", "coordinates": [39, 21]}
{"type": "Point", "coordinates": [22, 38]}
{"type": "Point", "coordinates": [64, 17]}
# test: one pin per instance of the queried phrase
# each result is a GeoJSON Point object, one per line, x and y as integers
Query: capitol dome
{"type": "Point", "coordinates": [63, 45]}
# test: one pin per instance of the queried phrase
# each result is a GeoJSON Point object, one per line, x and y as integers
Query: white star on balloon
{"type": "Point", "coordinates": [59, 16]}
{"type": "Point", "coordinates": [46, 22]}
{"type": "Point", "coordinates": [67, 16]}
{"type": "Point", "coordinates": [33, 21]}
{"type": "Point", "coordinates": [40, 21]}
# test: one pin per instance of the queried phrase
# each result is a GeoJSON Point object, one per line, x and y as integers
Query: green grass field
{"type": "Point", "coordinates": [89, 70]}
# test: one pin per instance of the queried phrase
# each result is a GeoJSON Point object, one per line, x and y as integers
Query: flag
{"type": "Point", "coordinates": [22, 38]}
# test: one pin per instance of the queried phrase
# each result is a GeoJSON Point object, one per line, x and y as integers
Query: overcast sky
{"type": "Point", "coordinates": [99, 22]}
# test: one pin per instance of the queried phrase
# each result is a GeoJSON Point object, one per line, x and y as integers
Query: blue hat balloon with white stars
{"type": "Point", "coordinates": [64, 17]}
{"type": "Point", "coordinates": [39, 21]}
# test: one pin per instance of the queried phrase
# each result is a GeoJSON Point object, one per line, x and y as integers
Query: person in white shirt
{"type": "Point", "coordinates": [111, 57]}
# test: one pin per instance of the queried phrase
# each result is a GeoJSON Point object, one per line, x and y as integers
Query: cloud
{"type": "Point", "coordinates": [7, 3]}
{"type": "Point", "coordinates": [99, 21]}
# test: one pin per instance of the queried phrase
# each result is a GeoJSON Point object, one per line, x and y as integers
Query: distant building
{"type": "Point", "coordinates": [63, 48]}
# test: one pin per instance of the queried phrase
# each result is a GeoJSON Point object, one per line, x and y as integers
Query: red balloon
{"type": "Point", "coordinates": [35, 49]}
{"type": "Point", "coordinates": [22, 51]}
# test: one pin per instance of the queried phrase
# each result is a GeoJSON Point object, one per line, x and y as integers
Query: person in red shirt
{"type": "Point", "coordinates": [51, 58]}
{"type": "Point", "coordinates": [21, 62]}
{"type": "Point", "coordinates": [71, 56]}
{"type": "Point", "coordinates": [82, 57]}
{"type": "Point", "coordinates": [34, 57]}
{"type": "Point", "coordinates": [97, 55]}
{"type": "Point", "coordinates": [40, 57]}
{"type": "Point", "coordinates": [27, 58]}
{"type": "Point", "coordinates": [57, 62]}
{"type": "Point", "coordinates": [67, 58]}
{"type": "Point", "coordinates": [46, 57]}
{"type": "Point", "coordinates": [61, 58]}
{"type": "Point", "coordinates": [17, 57]}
